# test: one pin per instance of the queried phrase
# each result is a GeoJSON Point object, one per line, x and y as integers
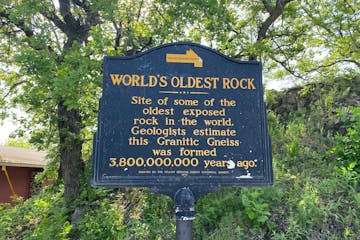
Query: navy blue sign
{"type": "Point", "coordinates": [179, 115]}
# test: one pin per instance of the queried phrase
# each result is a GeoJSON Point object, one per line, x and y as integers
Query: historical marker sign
{"type": "Point", "coordinates": [180, 115]}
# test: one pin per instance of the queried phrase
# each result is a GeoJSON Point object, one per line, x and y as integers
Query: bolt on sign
{"type": "Point", "coordinates": [181, 115]}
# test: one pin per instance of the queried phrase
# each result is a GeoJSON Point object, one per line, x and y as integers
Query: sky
{"type": "Point", "coordinates": [8, 126]}
{"type": "Point", "coordinates": [5, 130]}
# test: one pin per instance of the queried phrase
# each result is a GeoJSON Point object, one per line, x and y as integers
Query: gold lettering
{"type": "Point", "coordinates": [207, 162]}
{"type": "Point", "coordinates": [194, 82]}
{"type": "Point", "coordinates": [215, 163]}
{"type": "Point", "coordinates": [241, 84]}
{"type": "Point", "coordinates": [214, 132]}
{"type": "Point", "coordinates": [197, 152]}
{"type": "Point", "coordinates": [246, 164]}
{"type": "Point", "coordinates": [154, 131]}
{"type": "Point", "coordinates": [251, 84]}
{"type": "Point", "coordinates": [133, 80]}
{"type": "Point", "coordinates": [186, 102]}
{"type": "Point", "coordinates": [116, 79]}
{"type": "Point", "coordinates": [234, 83]}
{"type": "Point", "coordinates": [140, 100]}
{"type": "Point", "coordinates": [147, 121]}
{"type": "Point", "coordinates": [203, 112]}
{"type": "Point", "coordinates": [163, 81]}
{"type": "Point", "coordinates": [185, 141]}
{"type": "Point", "coordinates": [158, 111]}
{"type": "Point", "coordinates": [222, 142]}
{"type": "Point", "coordinates": [219, 122]}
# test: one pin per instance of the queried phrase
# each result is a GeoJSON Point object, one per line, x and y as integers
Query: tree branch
{"type": "Point", "coordinates": [79, 3]}
{"type": "Point", "coordinates": [267, 6]}
{"type": "Point", "coordinates": [118, 35]}
{"type": "Point", "coordinates": [92, 17]}
{"type": "Point", "coordinates": [288, 69]}
{"type": "Point", "coordinates": [139, 11]}
{"type": "Point", "coordinates": [12, 88]}
{"type": "Point", "coordinates": [66, 13]}
{"type": "Point", "coordinates": [56, 20]}
{"type": "Point", "coordinates": [352, 61]}
{"type": "Point", "coordinates": [274, 14]}
{"type": "Point", "coordinates": [20, 24]}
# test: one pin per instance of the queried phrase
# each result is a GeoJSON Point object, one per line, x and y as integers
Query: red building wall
{"type": "Point", "coordinates": [20, 179]}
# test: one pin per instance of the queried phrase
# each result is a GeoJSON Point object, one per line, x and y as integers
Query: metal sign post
{"type": "Point", "coordinates": [181, 116]}
{"type": "Point", "coordinates": [184, 204]}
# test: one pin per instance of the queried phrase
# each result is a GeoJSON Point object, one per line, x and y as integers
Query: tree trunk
{"type": "Point", "coordinates": [71, 164]}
